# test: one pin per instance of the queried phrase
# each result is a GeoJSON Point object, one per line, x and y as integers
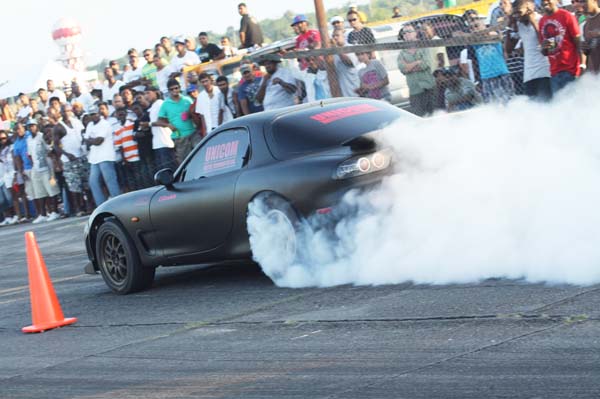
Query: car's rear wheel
{"type": "Point", "coordinates": [276, 236]}
{"type": "Point", "coordinates": [119, 262]}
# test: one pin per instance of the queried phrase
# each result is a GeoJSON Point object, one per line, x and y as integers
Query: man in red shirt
{"type": "Point", "coordinates": [561, 42]}
{"type": "Point", "coordinates": [309, 39]}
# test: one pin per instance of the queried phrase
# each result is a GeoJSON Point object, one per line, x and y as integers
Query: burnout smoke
{"type": "Point", "coordinates": [510, 192]}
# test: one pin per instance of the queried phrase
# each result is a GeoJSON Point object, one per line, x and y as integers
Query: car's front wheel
{"type": "Point", "coordinates": [119, 262]}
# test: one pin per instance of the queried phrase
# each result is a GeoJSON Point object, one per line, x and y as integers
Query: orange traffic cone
{"type": "Point", "coordinates": [45, 309]}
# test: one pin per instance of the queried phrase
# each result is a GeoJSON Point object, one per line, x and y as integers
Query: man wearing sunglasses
{"type": "Point", "coordinates": [360, 34]}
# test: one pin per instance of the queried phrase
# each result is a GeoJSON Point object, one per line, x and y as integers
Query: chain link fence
{"type": "Point", "coordinates": [439, 62]}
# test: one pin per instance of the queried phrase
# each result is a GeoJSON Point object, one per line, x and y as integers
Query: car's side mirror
{"type": "Point", "coordinates": [164, 177]}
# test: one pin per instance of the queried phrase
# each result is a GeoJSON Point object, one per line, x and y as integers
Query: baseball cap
{"type": "Point", "coordinates": [31, 122]}
{"type": "Point", "coordinates": [299, 18]}
{"type": "Point", "coordinates": [92, 109]}
{"type": "Point", "coordinates": [180, 39]}
{"type": "Point", "coordinates": [246, 67]}
{"type": "Point", "coordinates": [337, 18]}
{"type": "Point", "coordinates": [191, 88]}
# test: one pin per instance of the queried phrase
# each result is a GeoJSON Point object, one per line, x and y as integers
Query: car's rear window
{"type": "Point", "coordinates": [318, 128]}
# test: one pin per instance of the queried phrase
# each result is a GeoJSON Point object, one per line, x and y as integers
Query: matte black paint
{"type": "Point", "coordinates": [204, 220]}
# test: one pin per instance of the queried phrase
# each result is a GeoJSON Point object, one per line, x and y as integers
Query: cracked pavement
{"type": "Point", "coordinates": [229, 333]}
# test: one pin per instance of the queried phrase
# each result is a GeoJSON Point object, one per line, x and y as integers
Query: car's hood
{"type": "Point", "coordinates": [127, 200]}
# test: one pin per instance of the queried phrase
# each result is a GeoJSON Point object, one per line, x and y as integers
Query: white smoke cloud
{"type": "Point", "coordinates": [509, 192]}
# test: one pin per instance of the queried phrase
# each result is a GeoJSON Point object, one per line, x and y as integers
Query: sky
{"type": "Point", "coordinates": [110, 27]}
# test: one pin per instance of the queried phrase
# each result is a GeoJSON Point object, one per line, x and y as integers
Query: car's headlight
{"type": "Point", "coordinates": [364, 164]}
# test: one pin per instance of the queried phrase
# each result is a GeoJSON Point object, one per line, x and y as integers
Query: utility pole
{"type": "Point", "coordinates": [326, 43]}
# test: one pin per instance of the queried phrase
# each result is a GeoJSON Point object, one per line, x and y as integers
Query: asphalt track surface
{"type": "Point", "coordinates": [230, 333]}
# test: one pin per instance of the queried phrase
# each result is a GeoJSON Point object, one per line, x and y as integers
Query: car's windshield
{"type": "Point", "coordinates": [319, 128]}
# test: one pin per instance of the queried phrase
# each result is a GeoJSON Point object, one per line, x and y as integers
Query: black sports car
{"type": "Point", "coordinates": [298, 160]}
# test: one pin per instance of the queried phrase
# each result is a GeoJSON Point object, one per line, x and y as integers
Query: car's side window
{"type": "Point", "coordinates": [224, 152]}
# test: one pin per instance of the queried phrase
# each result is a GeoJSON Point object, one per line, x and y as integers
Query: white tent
{"type": "Point", "coordinates": [31, 80]}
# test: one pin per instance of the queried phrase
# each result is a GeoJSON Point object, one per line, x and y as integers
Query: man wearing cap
{"type": "Point", "coordinates": [208, 51]}
{"type": "Point", "coordinates": [175, 114]}
{"type": "Point", "coordinates": [183, 58]}
{"type": "Point", "coordinates": [337, 22]}
{"type": "Point", "coordinates": [250, 32]}
{"type": "Point", "coordinates": [192, 92]}
{"type": "Point", "coordinates": [43, 182]}
{"type": "Point", "coordinates": [248, 90]}
{"type": "Point", "coordinates": [278, 87]}
{"type": "Point", "coordinates": [307, 39]}
{"type": "Point", "coordinates": [99, 137]}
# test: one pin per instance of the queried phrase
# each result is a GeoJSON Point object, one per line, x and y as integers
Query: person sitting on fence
{"type": "Point", "coordinates": [459, 93]}
{"type": "Point", "coordinates": [374, 81]}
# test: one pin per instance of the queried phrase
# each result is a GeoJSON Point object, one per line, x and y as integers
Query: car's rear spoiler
{"type": "Point", "coordinates": [363, 142]}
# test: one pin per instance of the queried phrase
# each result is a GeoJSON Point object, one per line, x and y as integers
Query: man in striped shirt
{"type": "Point", "coordinates": [126, 144]}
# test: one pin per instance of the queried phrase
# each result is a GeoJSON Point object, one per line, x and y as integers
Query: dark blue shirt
{"type": "Point", "coordinates": [248, 91]}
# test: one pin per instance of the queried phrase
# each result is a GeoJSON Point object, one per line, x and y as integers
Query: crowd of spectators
{"type": "Point", "coordinates": [77, 147]}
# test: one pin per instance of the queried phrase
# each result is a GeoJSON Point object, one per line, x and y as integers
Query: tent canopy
{"type": "Point", "coordinates": [31, 80]}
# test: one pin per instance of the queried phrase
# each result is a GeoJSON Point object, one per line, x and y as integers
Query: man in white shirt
{"type": "Point", "coordinates": [162, 143]}
{"type": "Point", "coordinates": [54, 92]}
{"type": "Point", "coordinates": [111, 85]}
{"type": "Point", "coordinates": [277, 88]}
{"type": "Point", "coordinates": [207, 104]}
{"type": "Point", "coordinates": [25, 112]}
{"type": "Point", "coordinates": [182, 59]}
{"type": "Point", "coordinates": [523, 25]}
{"type": "Point", "coordinates": [99, 136]}
{"type": "Point", "coordinates": [346, 65]}
{"type": "Point", "coordinates": [133, 77]}
{"type": "Point", "coordinates": [163, 72]}
{"type": "Point", "coordinates": [84, 99]}
{"type": "Point", "coordinates": [227, 109]}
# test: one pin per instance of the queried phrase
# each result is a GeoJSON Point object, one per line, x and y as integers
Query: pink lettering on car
{"type": "Point", "coordinates": [342, 113]}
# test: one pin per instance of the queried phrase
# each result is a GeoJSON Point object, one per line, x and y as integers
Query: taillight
{"type": "Point", "coordinates": [364, 164]}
